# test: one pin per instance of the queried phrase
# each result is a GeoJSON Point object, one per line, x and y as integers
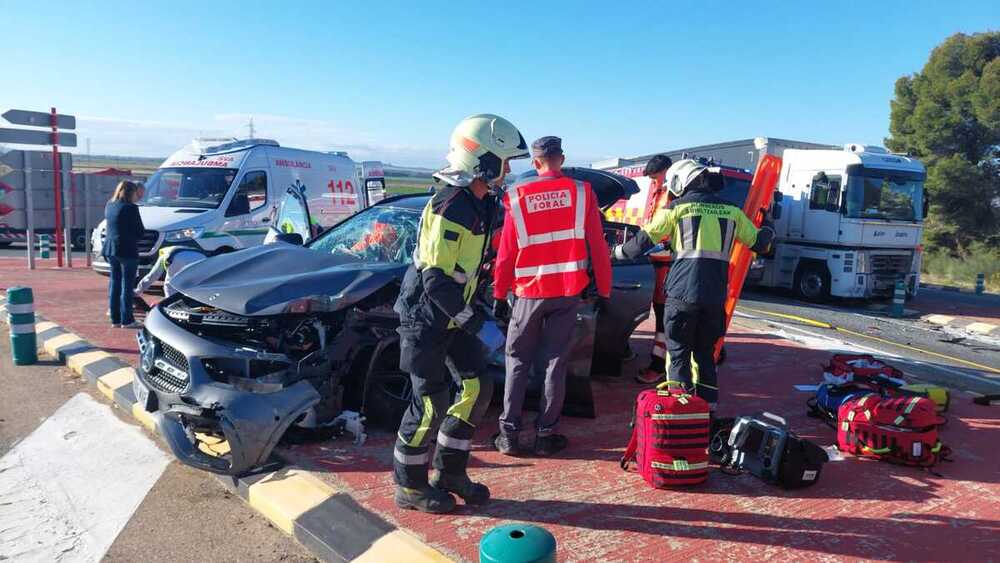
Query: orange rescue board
{"type": "Point", "coordinates": [765, 180]}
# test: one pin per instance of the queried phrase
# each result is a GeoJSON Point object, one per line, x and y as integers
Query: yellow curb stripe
{"type": "Point", "coordinates": [938, 319]}
{"type": "Point", "coordinates": [283, 496]}
{"type": "Point", "coordinates": [45, 325]}
{"type": "Point", "coordinates": [981, 328]}
{"type": "Point", "coordinates": [52, 345]}
{"type": "Point", "coordinates": [398, 545]}
{"type": "Point", "coordinates": [108, 383]}
{"type": "Point", "coordinates": [143, 417]}
{"type": "Point", "coordinates": [77, 362]}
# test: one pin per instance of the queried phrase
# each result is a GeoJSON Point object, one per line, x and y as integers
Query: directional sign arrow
{"type": "Point", "coordinates": [32, 137]}
{"type": "Point", "coordinates": [39, 119]}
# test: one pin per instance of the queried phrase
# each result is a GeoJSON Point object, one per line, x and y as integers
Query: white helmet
{"type": "Point", "coordinates": [682, 173]}
{"type": "Point", "coordinates": [479, 146]}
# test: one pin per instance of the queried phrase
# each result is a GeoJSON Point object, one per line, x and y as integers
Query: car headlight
{"type": "Point", "coordinates": [189, 233]}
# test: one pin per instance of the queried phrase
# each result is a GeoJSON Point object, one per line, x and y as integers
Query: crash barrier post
{"type": "Point", "coordinates": [517, 543]}
{"type": "Point", "coordinates": [898, 299]}
{"type": "Point", "coordinates": [21, 318]}
{"type": "Point", "coordinates": [43, 246]}
{"type": "Point", "coordinates": [980, 283]}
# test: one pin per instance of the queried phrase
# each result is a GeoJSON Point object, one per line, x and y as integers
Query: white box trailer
{"type": "Point", "coordinates": [222, 195]}
{"type": "Point", "coordinates": [851, 219]}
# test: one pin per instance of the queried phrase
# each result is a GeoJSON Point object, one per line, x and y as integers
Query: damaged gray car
{"type": "Point", "coordinates": [298, 337]}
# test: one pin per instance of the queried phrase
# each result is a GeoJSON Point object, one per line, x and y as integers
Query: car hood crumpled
{"type": "Point", "coordinates": [267, 279]}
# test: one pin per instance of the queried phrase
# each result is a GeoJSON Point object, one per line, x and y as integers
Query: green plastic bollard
{"type": "Point", "coordinates": [21, 317]}
{"type": "Point", "coordinates": [43, 246]}
{"type": "Point", "coordinates": [517, 543]}
{"type": "Point", "coordinates": [898, 299]}
{"type": "Point", "coordinates": [980, 283]}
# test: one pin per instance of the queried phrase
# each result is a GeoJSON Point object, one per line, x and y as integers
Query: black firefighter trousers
{"type": "Point", "coordinates": [434, 359]}
{"type": "Point", "coordinates": [692, 330]}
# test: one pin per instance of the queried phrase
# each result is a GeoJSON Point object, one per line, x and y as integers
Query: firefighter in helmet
{"type": "Point", "coordinates": [440, 321]}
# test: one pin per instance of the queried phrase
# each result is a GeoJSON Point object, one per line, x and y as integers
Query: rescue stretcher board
{"type": "Point", "coordinates": [759, 198]}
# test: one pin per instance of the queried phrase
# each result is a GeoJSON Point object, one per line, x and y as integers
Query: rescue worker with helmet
{"type": "Point", "coordinates": [551, 235]}
{"type": "Point", "coordinates": [701, 228]}
{"type": "Point", "coordinates": [439, 321]}
{"type": "Point", "coordinates": [659, 196]}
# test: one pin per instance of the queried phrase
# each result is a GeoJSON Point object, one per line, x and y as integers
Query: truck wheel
{"type": "Point", "coordinates": [812, 283]}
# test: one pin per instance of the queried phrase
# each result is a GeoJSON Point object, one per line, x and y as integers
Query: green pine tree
{"type": "Point", "coordinates": [948, 115]}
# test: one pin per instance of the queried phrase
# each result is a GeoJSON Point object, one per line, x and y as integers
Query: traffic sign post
{"type": "Point", "coordinates": [55, 121]}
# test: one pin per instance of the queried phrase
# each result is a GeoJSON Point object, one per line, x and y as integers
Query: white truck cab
{"type": "Point", "coordinates": [223, 194]}
{"type": "Point", "coordinates": [850, 225]}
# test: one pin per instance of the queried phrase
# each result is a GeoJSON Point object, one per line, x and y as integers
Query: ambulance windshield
{"type": "Point", "coordinates": [884, 194]}
{"type": "Point", "coordinates": [201, 188]}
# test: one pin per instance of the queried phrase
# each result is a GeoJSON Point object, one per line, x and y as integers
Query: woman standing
{"type": "Point", "coordinates": [122, 233]}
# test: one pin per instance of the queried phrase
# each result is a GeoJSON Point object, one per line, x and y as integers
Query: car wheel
{"type": "Point", "coordinates": [812, 283]}
{"type": "Point", "coordinates": [388, 396]}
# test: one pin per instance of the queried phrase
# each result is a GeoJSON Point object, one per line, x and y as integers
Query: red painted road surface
{"type": "Point", "coordinates": [860, 509]}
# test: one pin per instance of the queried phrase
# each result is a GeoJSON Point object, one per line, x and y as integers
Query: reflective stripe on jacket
{"type": "Point", "coordinates": [552, 221]}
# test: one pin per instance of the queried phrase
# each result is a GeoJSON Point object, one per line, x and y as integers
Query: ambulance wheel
{"type": "Point", "coordinates": [812, 282]}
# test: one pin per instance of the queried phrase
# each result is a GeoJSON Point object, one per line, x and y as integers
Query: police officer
{"type": "Point", "coordinates": [439, 320]}
{"type": "Point", "coordinates": [552, 233]}
{"type": "Point", "coordinates": [656, 171]}
{"type": "Point", "coordinates": [701, 228]}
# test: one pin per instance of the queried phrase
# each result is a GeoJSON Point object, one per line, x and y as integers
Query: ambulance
{"type": "Point", "coordinates": [220, 195]}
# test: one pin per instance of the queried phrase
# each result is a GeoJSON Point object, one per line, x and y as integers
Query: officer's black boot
{"type": "Point", "coordinates": [471, 492]}
{"type": "Point", "coordinates": [427, 499]}
{"type": "Point", "coordinates": [506, 443]}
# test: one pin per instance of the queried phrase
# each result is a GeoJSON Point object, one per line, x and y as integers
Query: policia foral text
{"type": "Point", "coordinates": [701, 228]}
{"type": "Point", "coordinates": [439, 321]}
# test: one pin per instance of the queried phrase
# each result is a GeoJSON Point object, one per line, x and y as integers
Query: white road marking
{"type": "Point", "coordinates": [68, 489]}
{"type": "Point", "coordinates": [817, 341]}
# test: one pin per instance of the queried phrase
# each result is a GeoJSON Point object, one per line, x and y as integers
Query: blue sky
{"type": "Point", "coordinates": [390, 80]}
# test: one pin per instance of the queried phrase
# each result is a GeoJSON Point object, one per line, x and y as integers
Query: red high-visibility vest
{"type": "Point", "coordinates": [656, 202]}
{"type": "Point", "coordinates": [549, 216]}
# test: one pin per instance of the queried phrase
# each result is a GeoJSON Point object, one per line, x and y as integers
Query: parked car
{"type": "Point", "coordinates": [302, 330]}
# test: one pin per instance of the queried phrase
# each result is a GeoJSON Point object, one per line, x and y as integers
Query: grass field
{"type": "Point", "coordinates": [941, 267]}
{"type": "Point", "coordinates": [407, 185]}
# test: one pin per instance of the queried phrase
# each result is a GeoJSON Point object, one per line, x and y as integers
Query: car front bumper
{"type": "Point", "coordinates": [187, 402]}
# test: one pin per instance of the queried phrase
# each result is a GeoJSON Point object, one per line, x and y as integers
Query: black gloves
{"type": "Point", "coordinates": [603, 305]}
{"type": "Point", "coordinates": [501, 309]}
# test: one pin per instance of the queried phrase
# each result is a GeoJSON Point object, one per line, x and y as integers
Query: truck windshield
{"type": "Point", "coordinates": [883, 194]}
{"type": "Point", "coordinates": [202, 188]}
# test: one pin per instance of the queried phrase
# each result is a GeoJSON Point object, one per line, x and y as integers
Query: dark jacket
{"type": "Point", "coordinates": [123, 231]}
{"type": "Point", "coordinates": [701, 228]}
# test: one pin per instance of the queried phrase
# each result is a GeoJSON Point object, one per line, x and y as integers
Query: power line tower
{"type": "Point", "coordinates": [250, 127]}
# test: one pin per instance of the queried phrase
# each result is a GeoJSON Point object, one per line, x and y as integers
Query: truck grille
{"type": "Point", "coordinates": [162, 379]}
{"type": "Point", "coordinates": [148, 241]}
{"type": "Point", "coordinates": [887, 264]}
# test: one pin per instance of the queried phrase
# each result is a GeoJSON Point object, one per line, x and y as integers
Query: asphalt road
{"type": "Point", "coordinates": [187, 515]}
{"type": "Point", "coordinates": [925, 351]}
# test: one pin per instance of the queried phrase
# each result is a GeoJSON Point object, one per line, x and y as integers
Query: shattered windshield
{"type": "Point", "coordinates": [202, 188]}
{"type": "Point", "coordinates": [878, 194]}
{"type": "Point", "coordinates": [378, 234]}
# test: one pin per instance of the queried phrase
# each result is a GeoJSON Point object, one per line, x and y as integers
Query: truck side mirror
{"type": "Point", "coordinates": [776, 211]}
{"type": "Point", "coordinates": [927, 206]}
{"type": "Point", "coordinates": [778, 196]}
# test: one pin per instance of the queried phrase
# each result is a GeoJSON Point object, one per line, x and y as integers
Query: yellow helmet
{"type": "Point", "coordinates": [478, 148]}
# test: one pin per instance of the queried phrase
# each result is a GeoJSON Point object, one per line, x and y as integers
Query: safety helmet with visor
{"type": "Point", "coordinates": [479, 147]}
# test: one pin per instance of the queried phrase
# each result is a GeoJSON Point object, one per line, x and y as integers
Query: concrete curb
{"type": "Point", "coordinates": [975, 327]}
{"type": "Point", "coordinates": [326, 521]}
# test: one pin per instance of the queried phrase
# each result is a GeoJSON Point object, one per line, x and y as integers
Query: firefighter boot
{"type": "Point", "coordinates": [426, 499]}
{"type": "Point", "coordinates": [472, 493]}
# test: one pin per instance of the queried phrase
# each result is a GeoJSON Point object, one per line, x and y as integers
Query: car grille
{"type": "Point", "coordinates": [163, 380]}
{"type": "Point", "coordinates": [148, 241]}
{"type": "Point", "coordinates": [888, 264]}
